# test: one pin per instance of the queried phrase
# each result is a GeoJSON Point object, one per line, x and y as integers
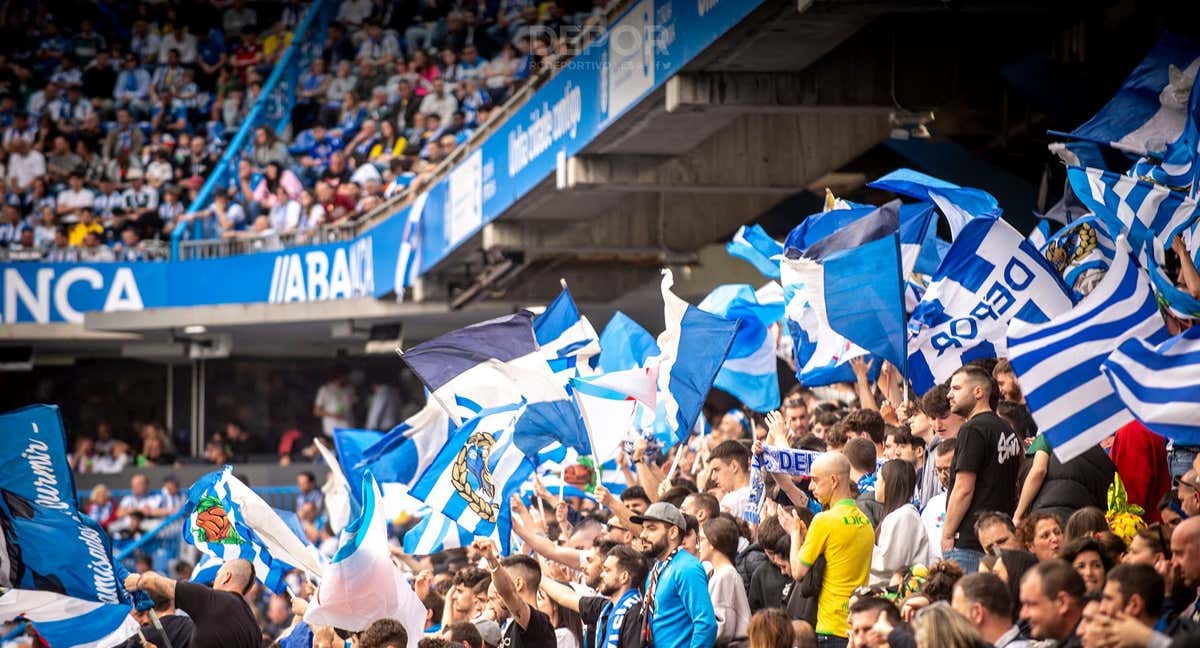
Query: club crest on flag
{"type": "Point", "coordinates": [212, 524]}
{"type": "Point", "coordinates": [1072, 248]}
{"type": "Point", "coordinates": [472, 478]}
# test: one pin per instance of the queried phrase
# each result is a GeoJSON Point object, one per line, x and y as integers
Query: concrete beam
{"type": "Point", "coordinates": [233, 315]}
{"type": "Point", "coordinates": [828, 87]}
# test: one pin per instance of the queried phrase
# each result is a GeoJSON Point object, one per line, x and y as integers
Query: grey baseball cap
{"type": "Point", "coordinates": [664, 512]}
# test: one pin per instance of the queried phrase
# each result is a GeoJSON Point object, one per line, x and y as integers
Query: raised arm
{"type": "Point", "coordinates": [504, 584]}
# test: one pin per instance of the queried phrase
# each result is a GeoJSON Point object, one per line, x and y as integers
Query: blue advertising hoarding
{"type": "Point", "coordinates": [643, 48]}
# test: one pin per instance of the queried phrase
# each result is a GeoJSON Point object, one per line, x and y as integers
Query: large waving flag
{"type": "Point", "coordinates": [608, 403]}
{"type": "Point", "coordinates": [749, 371]}
{"type": "Point", "coordinates": [435, 532]}
{"type": "Point", "coordinates": [1150, 215]}
{"type": "Point", "coordinates": [990, 276]}
{"type": "Point", "coordinates": [1057, 362]}
{"type": "Point", "coordinates": [567, 339]}
{"type": "Point", "coordinates": [398, 456]}
{"type": "Point", "coordinates": [56, 566]}
{"type": "Point", "coordinates": [230, 521]}
{"type": "Point", "coordinates": [819, 226]}
{"type": "Point", "coordinates": [498, 363]}
{"type": "Point", "coordinates": [472, 476]}
{"type": "Point", "coordinates": [1160, 383]}
{"type": "Point", "coordinates": [754, 246]}
{"type": "Point", "coordinates": [360, 584]}
{"type": "Point", "coordinates": [1178, 168]}
{"type": "Point", "coordinates": [1150, 108]}
{"type": "Point", "coordinates": [958, 204]}
{"type": "Point", "coordinates": [625, 344]}
{"type": "Point", "coordinates": [693, 346]}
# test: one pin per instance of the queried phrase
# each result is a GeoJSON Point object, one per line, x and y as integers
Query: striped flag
{"type": "Point", "coordinates": [958, 204]}
{"type": "Point", "coordinates": [1057, 362]}
{"type": "Point", "coordinates": [70, 622]}
{"type": "Point", "coordinates": [566, 338]}
{"type": "Point", "coordinates": [608, 403]}
{"type": "Point", "coordinates": [230, 521]}
{"type": "Point", "coordinates": [479, 467]}
{"type": "Point", "coordinates": [749, 372]}
{"type": "Point", "coordinates": [435, 532]}
{"type": "Point", "coordinates": [1160, 383]}
{"type": "Point", "coordinates": [1150, 215]}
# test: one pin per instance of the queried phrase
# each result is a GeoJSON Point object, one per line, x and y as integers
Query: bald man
{"type": "Point", "coordinates": [1185, 566]}
{"type": "Point", "coordinates": [841, 533]}
{"type": "Point", "coordinates": [220, 613]}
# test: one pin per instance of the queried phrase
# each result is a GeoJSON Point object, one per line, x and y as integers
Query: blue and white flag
{"type": "Point", "coordinates": [480, 466]}
{"type": "Point", "coordinates": [498, 363]}
{"type": "Point", "coordinates": [816, 227]}
{"type": "Point", "coordinates": [1159, 383]}
{"type": "Point", "coordinates": [958, 204]}
{"type": "Point", "coordinates": [230, 521]}
{"type": "Point", "coordinates": [360, 584]}
{"type": "Point", "coordinates": [1177, 168]}
{"type": "Point", "coordinates": [1150, 108]}
{"type": "Point", "coordinates": [1149, 215]}
{"type": "Point", "coordinates": [567, 339]}
{"type": "Point", "coordinates": [846, 295]}
{"type": "Point", "coordinates": [435, 532]}
{"type": "Point", "coordinates": [205, 571]}
{"type": "Point", "coordinates": [608, 403]}
{"type": "Point", "coordinates": [398, 456]}
{"type": "Point", "coordinates": [408, 259]}
{"type": "Point", "coordinates": [624, 344]}
{"type": "Point", "coordinates": [990, 276]}
{"type": "Point", "coordinates": [1040, 234]}
{"type": "Point", "coordinates": [1057, 362]}
{"type": "Point", "coordinates": [692, 348]}
{"type": "Point", "coordinates": [1081, 252]}
{"type": "Point", "coordinates": [749, 372]}
{"type": "Point", "coordinates": [56, 566]}
{"type": "Point", "coordinates": [919, 247]}
{"type": "Point", "coordinates": [754, 246]}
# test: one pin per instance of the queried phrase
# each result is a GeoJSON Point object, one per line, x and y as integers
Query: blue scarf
{"type": "Point", "coordinates": [608, 630]}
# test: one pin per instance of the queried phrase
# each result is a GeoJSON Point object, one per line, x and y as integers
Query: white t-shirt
{"type": "Point", "coordinates": [933, 517]}
{"type": "Point", "coordinates": [334, 398]}
{"type": "Point", "coordinates": [76, 199]}
{"type": "Point", "coordinates": [736, 502]}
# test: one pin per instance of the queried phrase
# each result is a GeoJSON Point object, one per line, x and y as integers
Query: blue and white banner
{"type": "Point", "coordinates": [1057, 362]}
{"type": "Point", "coordinates": [566, 338]}
{"type": "Point", "coordinates": [361, 585]}
{"type": "Point", "coordinates": [1149, 110]}
{"type": "Point", "coordinates": [72, 594]}
{"type": "Point", "coordinates": [1149, 215]}
{"type": "Point", "coordinates": [398, 456]}
{"type": "Point", "coordinates": [608, 403]}
{"type": "Point", "coordinates": [1160, 383]}
{"type": "Point", "coordinates": [990, 276]}
{"type": "Point", "coordinates": [230, 521]}
{"type": "Point", "coordinates": [435, 532]}
{"type": "Point", "coordinates": [749, 372]}
{"type": "Point", "coordinates": [625, 344]}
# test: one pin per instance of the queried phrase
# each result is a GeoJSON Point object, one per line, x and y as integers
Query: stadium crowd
{"type": "Point", "coordinates": [939, 521]}
{"type": "Point", "coordinates": [113, 119]}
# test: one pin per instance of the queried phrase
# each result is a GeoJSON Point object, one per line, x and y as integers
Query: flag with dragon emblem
{"type": "Point", "coordinates": [229, 521]}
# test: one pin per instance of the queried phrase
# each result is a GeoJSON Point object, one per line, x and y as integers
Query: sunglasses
{"type": "Point", "coordinates": [1179, 480]}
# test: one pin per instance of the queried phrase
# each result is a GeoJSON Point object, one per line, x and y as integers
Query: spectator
{"type": "Point", "coordinates": [140, 499]}
{"type": "Point", "coordinates": [384, 633]}
{"type": "Point", "coordinates": [101, 506]}
{"type": "Point", "coordinates": [860, 452]}
{"type": "Point", "coordinates": [718, 543]}
{"type": "Point", "coordinates": [1060, 488]}
{"type": "Point", "coordinates": [1151, 545]}
{"type": "Point", "coordinates": [730, 466]}
{"type": "Point", "coordinates": [1187, 487]}
{"type": "Point", "coordinates": [843, 536]}
{"type": "Point", "coordinates": [678, 610]}
{"type": "Point", "coordinates": [71, 200]}
{"type": "Point", "coordinates": [25, 164]}
{"type": "Point", "coordinates": [901, 541]}
{"type": "Point", "coordinates": [996, 531]}
{"type": "Point", "coordinates": [220, 614]}
{"type": "Point", "coordinates": [439, 102]}
{"type": "Point", "coordinates": [1052, 600]}
{"type": "Point", "coordinates": [984, 472]}
{"type": "Point", "coordinates": [1042, 534]}
{"type": "Point", "coordinates": [615, 616]}
{"type": "Point", "coordinates": [178, 628]}
{"type": "Point", "coordinates": [24, 248]}
{"type": "Point", "coordinates": [983, 600]}
{"type": "Point", "coordinates": [335, 402]}
{"type": "Point", "coordinates": [514, 587]}
{"type": "Point", "coordinates": [172, 498]}
{"type": "Point", "coordinates": [940, 627]}
{"type": "Point", "coordinates": [310, 493]}
{"type": "Point", "coordinates": [94, 250]}
{"type": "Point", "coordinates": [771, 628]}
{"type": "Point", "coordinates": [1088, 557]}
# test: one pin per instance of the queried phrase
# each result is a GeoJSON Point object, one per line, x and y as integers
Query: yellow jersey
{"type": "Point", "coordinates": [844, 535]}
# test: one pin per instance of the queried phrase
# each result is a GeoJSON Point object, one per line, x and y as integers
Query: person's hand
{"type": "Point", "coordinates": [324, 637]}
{"type": "Point", "coordinates": [905, 410]}
{"type": "Point", "coordinates": [888, 412]}
{"type": "Point", "coordinates": [788, 520]}
{"type": "Point", "coordinates": [878, 634]}
{"type": "Point", "coordinates": [1168, 572]}
{"type": "Point", "coordinates": [1121, 630]}
{"type": "Point", "coordinates": [422, 583]}
{"type": "Point", "coordinates": [757, 448]}
{"type": "Point", "coordinates": [539, 489]}
{"type": "Point", "coordinates": [133, 582]}
{"type": "Point", "coordinates": [861, 366]}
{"type": "Point", "coordinates": [775, 425]}
{"type": "Point", "coordinates": [1178, 246]}
{"type": "Point", "coordinates": [603, 495]}
{"type": "Point", "coordinates": [560, 514]}
{"type": "Point", "coordinates": [947, 545]}
{"type": "Point", "coordinates": [911, 606]}
{"type": "Point", "coordinates": [486, 548]}
{"type": "Point", "coordinates": [622, 458]}
{"type": "Point", "coordinates": [300, 606]}
{"type": "Point", "coordinates": [639, 450]}
{"type": "Point", "coordinates": [663, 487]}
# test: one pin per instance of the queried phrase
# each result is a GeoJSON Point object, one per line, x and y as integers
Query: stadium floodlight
{"type": "Point", "coordinates": [195, 329]}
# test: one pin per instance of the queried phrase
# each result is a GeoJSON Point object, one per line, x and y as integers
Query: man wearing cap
{"type": "Point", "coordinates": [678, 610]}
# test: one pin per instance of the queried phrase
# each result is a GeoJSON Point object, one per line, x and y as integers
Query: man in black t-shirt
{"type": "Point", "coordinates": [515, 582]}
{"type": "Point", "coordinates": [222, 617]}
{"type": "Point", "coordinates": [983, 476]}
{"type": "Point", "coordinates": [178, 628]}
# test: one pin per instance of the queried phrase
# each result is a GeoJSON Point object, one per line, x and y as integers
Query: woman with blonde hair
{"type": "Point", "coordinates": [939, 626]}
{"type": "Point", "coordinates": [771, 628]}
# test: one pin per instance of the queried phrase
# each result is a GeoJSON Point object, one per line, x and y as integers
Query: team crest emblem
{"type": "Point", "coordinates": [213, 524]}
{"type": "Point", "coordinates": [472, 478]}
{"type": "Point", "coordinates": [1072, 248]}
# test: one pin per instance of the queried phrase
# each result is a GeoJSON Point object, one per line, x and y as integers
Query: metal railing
{"type": "Point", "coordinates": [249, 243]}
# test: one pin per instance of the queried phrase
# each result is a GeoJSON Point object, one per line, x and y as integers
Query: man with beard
{"type": "Point", "coordinates": [678, 612]}
{"type": "Point", "coordinates": [613, 619]}
{"type": "Point", "coordinates": [983, 476]}
{"type": "Point", "coordinates": [843, 535]}
{"type": "Point", "coordinates": [514, 587]}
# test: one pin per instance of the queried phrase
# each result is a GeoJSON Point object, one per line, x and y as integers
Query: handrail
{"type": "Point", "coordinates": [152, 534]}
